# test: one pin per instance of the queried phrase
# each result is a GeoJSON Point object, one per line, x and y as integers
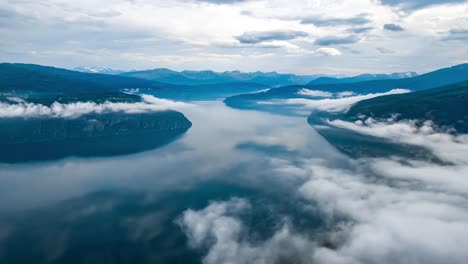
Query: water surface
{"type": "Point", "coordinates": [126, 208]}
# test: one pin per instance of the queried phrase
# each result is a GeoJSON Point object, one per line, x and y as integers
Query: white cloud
{"type": "Point", "coordinates": [328, 51]}
{"type": "Point", "coordinates": [416, 214]}
{"type": "Point", "coordinates": [72, 110]}
{"type": "Point", "coordinates": [219, 228]}
{"type": "Point", "coordinates": [314, 93]}
{"type": "Point", "coordinates": [69, 33]}
{"type": "Point", "coordinates": [448, 147]}
{"type": "Point", "coordinates": [332, 105]}
{"type": "Point", "coordinates": [345, 94]}
{"type": "Point", "coordinates": [401, 210]}
{"type": "Point", "coordinates": [395, 211]}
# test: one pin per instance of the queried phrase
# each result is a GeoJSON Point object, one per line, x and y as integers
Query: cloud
{"type": "Point", "coordinates": [219, 228]}
{"type": "Point", "coordinates": [394, 209]}
{"type": "Point", "coordinates": [393, 27]}
{"type": "Point", "coordinates": [448, 147]}
{"type": "Point", "coordinates": [359, 30]}
{"type": "Point", "coordinates": [22, 109]}
{"type": "Point", "coordinates": [385, 50]}
{"type": "Point", "coordinates": [457, 34]}
{"type": "Point", "coordinates": [400, 210]}
{"type": "Point", "coordinates": [328, 51]}
{"type": "Point", "coordinates": [95, 33]}
{"type": "Point", "coordinates": [418, 4]}
{"type": "Point", "coordinates": [223, 2]}
{"type": "Point", "coordinates": [392, 220]}
{"type": "Point", "coordinates": [345, 94]}
{"type": "Point", "coordinates": [333, 105]}
{"type": "Point", "coordinates": [314, 93]}
{"type": "Point", "coordinates": [380, 210]}
{"type": "Point", "coordinates": [333, 40]}
{"type": "Point", "coordinates": [333, 22]}
{"type": "Point", "coordinates": [257, 37]}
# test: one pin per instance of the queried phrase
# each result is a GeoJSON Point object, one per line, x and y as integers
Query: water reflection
{"type": "Point", "coordinates": [98, 210]}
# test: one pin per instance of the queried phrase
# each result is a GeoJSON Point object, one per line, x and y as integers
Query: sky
{"type": "Point", "coordinates": [296, 36]}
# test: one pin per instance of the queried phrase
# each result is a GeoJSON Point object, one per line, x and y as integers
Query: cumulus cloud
{"type": "Point", "coordinates": [219, 228]}
{"type": "Point", "coordinates": [24, 109]}
{"type": "Point", "coordinates": [257, 37]}
{"type": "Point", "coordinates": [393, 27]}
{"type": "Point", "coordinates": [333, 105]}
{"type": "Point", "coordinates": [85, 33]}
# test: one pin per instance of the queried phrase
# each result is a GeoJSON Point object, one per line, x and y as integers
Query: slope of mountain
{"type": "Point", "coordinates": [446, 106]}
{"type": "Point", "coordinates": [30, 131]}
{"type": "Point", "coordinates": [42, 84]}
{"type": "Point", "coordinates": [94, 69]}
{"type": "Point", "coordinates": [29, 77]}
{"type": "Point", "coordinates": [429, 80]}
{"type": "Point", "coordinates": [363, 78]}
{"type": "Point", "coordinates": [271, 79]}
{"type": "Point", "coordinates": [204, 92]}
{"type": "Point", "coordinates": [161, 75]}
{"type": "Point", "coordinates": [106, 134]}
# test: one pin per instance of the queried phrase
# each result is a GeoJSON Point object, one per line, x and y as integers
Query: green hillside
{"type": "Point", "coordinates": [446, 106]}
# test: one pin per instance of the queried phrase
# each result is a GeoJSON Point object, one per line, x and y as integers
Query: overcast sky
{"type": "Point", "coordinates": [306, 37]}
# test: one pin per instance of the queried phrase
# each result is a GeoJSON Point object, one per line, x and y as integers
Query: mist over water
{"type": "Point", "coordinates": [238, 187]}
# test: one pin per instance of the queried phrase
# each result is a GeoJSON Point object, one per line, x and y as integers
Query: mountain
{"type": "Point", "coordinates": [363, 78]}
{"type": "Point", "coordinates": [161, 75]}
{"type": "Point", "coordinates": [204, 92]}
{"type": "Point", "coordinates": [446, 106]}
{"type": "Point", "coordinates": [29, 129]}
{"type": "Point", "coordinates": [43, 84]}
{"type": "Point", "coordinates": [270, 79]}
{"type": "Point", "coordinates": [30, 77]}
{"type": "Point", "coordinates": [106, 134]}
{"type": "Point", "coordinates": [94, 69]}
{"type": "Point", "coordinates": [429, 80]}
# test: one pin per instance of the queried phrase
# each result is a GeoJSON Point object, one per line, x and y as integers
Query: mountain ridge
{"type": "Point", "coordinates": [441, 77]}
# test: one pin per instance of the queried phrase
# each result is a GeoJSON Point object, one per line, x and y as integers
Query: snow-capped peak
{"type": "Point", "coordinates": [94, 69]}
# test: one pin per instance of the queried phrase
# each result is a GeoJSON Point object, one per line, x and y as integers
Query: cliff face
{"type": "Point", "coordinates": [88, 135]}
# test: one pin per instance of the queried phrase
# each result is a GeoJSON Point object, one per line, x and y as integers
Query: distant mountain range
{"type": "Point", "coordinates": [271, 79]}
{"type": "Point", "coordinates": [93, 69]}
{"type": "Point", "coordinates": [45, 84]}
{"type": "Point", "coordinates": [429, 80]}
{"type": "Point", "coordinates": [363, 78]}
